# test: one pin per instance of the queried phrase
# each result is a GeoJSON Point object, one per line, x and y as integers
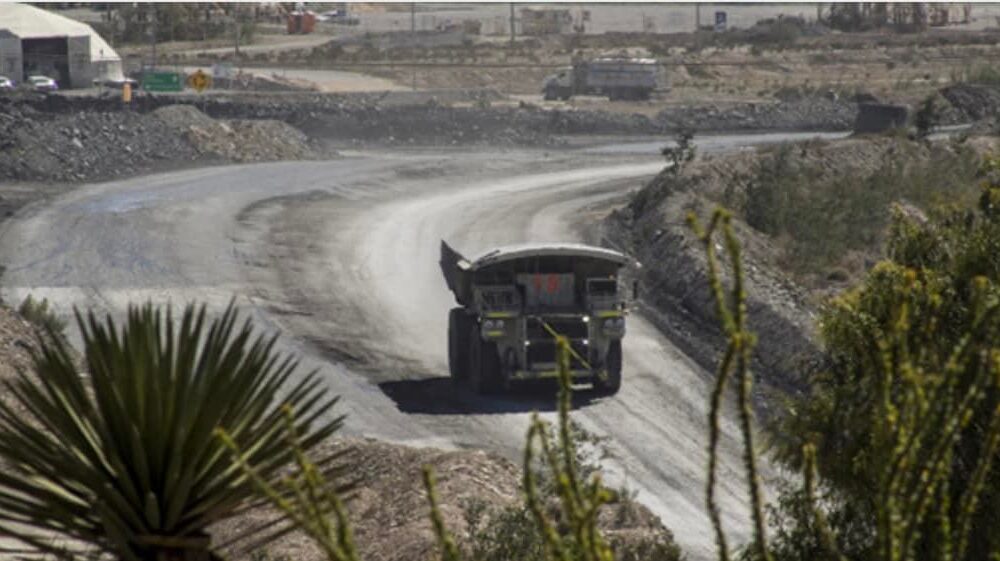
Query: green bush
{"type": "Point", "coordinates": [903, 422]}
{"type": "Point", "coordinates": [820, 218]}
{"type": "Point", "coordinates": [39, 314]}
{"type": "Point", "coordinates": [983, 74]}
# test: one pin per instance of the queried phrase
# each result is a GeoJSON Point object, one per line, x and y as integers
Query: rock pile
{"type": "Point", "coordinates": [807, 114]}
{"type": "Point", "coordinates": [93, 145]}
{"type": "Point", "coordinates": [237, 141]}
{"type": "Point", "coordinates": [86, 145]}
{"type": "Point", "coordinates": [973, 101]}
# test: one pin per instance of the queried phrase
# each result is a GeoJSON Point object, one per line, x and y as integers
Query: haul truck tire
{"type": "Point", "coordinates": [485, 372]}
{"type": "Point", "coordinates": [458, 344]}
{"type": "Point", "coordinates": [553, 93]}
{"type": "Point", "coordinates": [613, 363]}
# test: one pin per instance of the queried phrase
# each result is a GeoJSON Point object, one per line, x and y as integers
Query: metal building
{"type": "Point", "coordinates": [36, 41]}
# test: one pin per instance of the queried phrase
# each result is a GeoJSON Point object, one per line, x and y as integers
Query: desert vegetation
{"type": "Point", "coordinates": [180, 424]}
{"type": "Point", "coordinates": [902, 423]}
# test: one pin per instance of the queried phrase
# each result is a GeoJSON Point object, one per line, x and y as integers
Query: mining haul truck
{"type": "Point", "coordinates": [514, 301]}
{"type": "Point", "coordinates": [617, 78]}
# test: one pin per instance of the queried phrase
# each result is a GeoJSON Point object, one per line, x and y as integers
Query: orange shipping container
{"type": "Point", "coordinates": [301, 22]}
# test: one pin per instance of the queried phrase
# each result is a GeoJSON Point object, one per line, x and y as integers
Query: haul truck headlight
{"type": "Point", "coordinates": [493, 328]}
{"type": "Point", "coordinates": [614, 325]}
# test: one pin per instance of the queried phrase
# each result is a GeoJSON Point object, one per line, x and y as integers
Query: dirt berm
{"type": "Point", "coordinates": [90, 144]}
{"type": "Point", "coordinates": [675, 292]}
{"type": "Point", "coordinates": [782, 308]}
{"type": "Point", "coordinates": [675, 288]}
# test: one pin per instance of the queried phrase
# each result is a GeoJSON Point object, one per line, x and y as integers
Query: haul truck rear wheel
{"type": "Point", "coordinates": [458, 344]}
{"type": "Point", "coordinates": [485, 372]}
{"type": "Point", "coordinates": [613, 364]}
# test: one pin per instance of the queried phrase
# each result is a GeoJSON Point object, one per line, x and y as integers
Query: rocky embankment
{"type": "Point", "coordinates": [652, 227]}
{"type": "Point", "coordinates": [91, 144]}
{"type": "Point", "coordinates": [782, 306]}
{"type": "Point", "coordinates": [73, 138]}
{"type": "Point", "coordinates": [675, 293]}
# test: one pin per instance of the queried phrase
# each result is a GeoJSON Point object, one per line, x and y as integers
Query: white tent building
{"type": "Point", "coordinates": [36, 41]}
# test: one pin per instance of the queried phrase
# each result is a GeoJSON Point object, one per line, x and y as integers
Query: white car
{"type": "Point", "coordinates": [42, 83]}
{"type": "Point", "coordinates": [6, 84]}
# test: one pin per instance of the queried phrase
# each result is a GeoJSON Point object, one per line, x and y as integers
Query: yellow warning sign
{"type": "Point", "coordinates": [199, 81]}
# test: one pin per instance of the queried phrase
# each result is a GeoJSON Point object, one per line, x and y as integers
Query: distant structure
{"type": "Point", "coordinates": [36, 41]}
{"type": "Point", "coordinates": [553, 21]}
{"type": "Point", "coordinates": [902, 16]}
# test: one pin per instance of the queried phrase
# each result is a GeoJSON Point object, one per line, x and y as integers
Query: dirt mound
{"type": "Point", "coordinates": [82, 145]}
{"type": "Point", "coordinates": [96, 142]}
{"type": "Point", "coordinates": [807, 113]}
{"type": "Point", "coordinates": [389, 510]}
{"type": "Point", "coordinates": [237, 141]}
{"type": "Point", "coordinates": [975, 102]}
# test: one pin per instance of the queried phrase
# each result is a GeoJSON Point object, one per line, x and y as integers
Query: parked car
{"type": "Point", "coordinates": [6, 84]}
{"type": "Point", "coordinates": [116, 83]}
{"type": "Point", "coordinates": [338, 17]}
{"type": "Point", "coordinates": [42, 83]}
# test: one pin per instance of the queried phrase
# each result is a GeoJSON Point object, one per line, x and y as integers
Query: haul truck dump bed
{"type": "Point", "coordinates": [512, 301]}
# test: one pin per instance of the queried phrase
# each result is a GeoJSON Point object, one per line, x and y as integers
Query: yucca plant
{"type": "Point", "coordinates": [126, 459]}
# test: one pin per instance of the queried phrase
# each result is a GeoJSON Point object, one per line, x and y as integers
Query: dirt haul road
{"type": "Point", "coordinates": [341, 257]}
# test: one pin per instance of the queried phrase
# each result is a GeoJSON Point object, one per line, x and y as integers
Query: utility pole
{"type": "Point", "coordinates": [152, 36]}
{"type": "Point", "coordinates": [513, 32]}
{"type": "Point", "coordinates": [697, 17]}
{"type": "Point", "coordinates": [413, 37]}
{"type": "Point", "coordinates": [236, 33]}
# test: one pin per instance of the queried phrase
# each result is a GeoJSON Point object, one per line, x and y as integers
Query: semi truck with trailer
{"type": "Point", "coordinates": [514, 301]}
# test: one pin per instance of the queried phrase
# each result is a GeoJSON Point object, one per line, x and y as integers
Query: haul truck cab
{"type": "Point", "coordinates": [512, 301]}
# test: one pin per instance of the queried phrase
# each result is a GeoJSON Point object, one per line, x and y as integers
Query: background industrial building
{"type": "Point", "coordinates": [36, 41]}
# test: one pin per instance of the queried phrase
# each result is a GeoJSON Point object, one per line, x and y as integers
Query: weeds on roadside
{"type": "Point", "coordinates": [558, 521]}
{"type": "Point", "coordinates": [38, 313]}
{"type": "Point", "coordinates": [306, 497]}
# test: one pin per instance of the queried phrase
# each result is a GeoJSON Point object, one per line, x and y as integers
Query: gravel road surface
{"type": "Point", "coordinates": [341, 257]}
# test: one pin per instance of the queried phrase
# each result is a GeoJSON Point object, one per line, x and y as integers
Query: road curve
{"type": "Point", "coordinates": [340, 256]}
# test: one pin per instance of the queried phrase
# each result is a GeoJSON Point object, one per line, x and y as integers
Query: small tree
{"type": "Point", "coordinates": [682, 152]}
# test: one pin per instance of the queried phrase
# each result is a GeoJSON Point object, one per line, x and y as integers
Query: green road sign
{"type": "Point", "coordinates": [162, 82]}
